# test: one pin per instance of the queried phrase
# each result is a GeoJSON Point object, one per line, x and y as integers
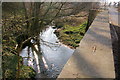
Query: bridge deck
{"type": "Point", "coordinates": [94, 57]}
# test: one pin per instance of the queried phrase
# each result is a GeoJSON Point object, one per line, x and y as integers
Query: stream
{"type": "Point", "coordinates": [55, 55]}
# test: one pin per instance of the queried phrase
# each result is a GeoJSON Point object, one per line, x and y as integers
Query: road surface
{"type": "Point", "coordinates": [114, 16]}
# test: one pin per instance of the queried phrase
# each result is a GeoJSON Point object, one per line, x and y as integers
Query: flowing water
{"type": "Point", "coordinates": [55, 54]}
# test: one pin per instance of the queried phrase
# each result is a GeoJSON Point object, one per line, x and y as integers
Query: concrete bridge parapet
{"type": "Point", "coordinates": [94, 57]}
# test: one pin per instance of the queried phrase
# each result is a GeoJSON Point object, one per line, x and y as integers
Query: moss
{"type": "Point", "coordinates": [27, 72]}
{"type": "Point", "coordinates": [72, 35]}
{"type": "Point", "coordinates": [9, 65]}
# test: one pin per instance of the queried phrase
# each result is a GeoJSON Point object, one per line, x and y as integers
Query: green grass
{"type": "Point", "coordinates": [72, 35]}
{"type": "Point", "coordinates": [9, 59]}
{"type": "Point", "coordinates": [10, 66]}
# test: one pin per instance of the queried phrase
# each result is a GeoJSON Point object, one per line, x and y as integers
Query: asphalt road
{"type": "Point", "coordinates": [114, 16]}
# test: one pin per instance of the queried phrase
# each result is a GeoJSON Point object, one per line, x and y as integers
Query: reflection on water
{"type": "Point", "coordinates": [55, 55]}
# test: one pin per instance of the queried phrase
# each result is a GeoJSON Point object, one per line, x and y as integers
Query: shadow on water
{"type": "Point", "coordinates": [55, 55]}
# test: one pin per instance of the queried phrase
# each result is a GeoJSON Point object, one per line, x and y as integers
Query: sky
{"type": "Point", "coordinates": [113, 0]}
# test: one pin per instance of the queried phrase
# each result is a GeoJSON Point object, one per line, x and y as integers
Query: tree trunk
{"type": "Point", "coordinates": [18, 70]}
{"type": "Point", "coordinates": [91, 17]}
{"type": "Point", "coordinates": [28, 52]}
{"type": "Point", "coordinates": [26, 16]}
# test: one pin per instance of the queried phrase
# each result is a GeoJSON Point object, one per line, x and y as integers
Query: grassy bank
{"type": "Point", "coordinates": [10, 31]}
{"type": "Point", "coordinates": [10, 68]}
{"type": "Point", "coordinates": [9, 53]}
{"type": "Point", "coordinates": [71, 35]}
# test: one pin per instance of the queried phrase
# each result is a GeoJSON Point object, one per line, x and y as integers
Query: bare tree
{"type": "Point", "coordinates": [39, 14]}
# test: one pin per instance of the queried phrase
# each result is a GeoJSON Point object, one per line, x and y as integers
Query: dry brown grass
{"type": "Point", "coordinates": [74, 20]}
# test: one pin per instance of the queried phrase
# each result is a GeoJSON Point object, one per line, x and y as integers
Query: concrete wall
{"type": "Point", "coordinates": [94, 57]}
